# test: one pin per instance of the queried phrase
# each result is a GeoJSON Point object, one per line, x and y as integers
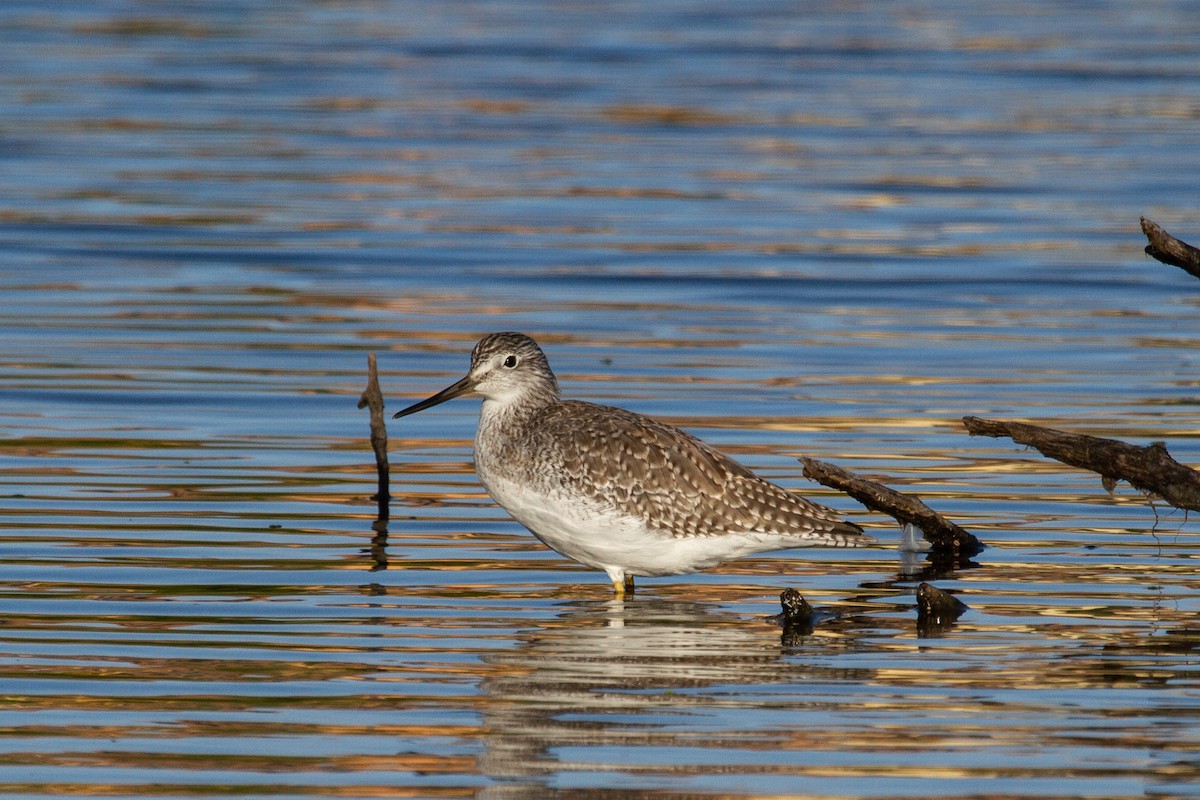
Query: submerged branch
{"type": "Point", "coordinates": [1169, 250]}
{"type": "Point", "coordinates": [946, 536]}
{"type": "Point", "coordinates": [1150, 469]}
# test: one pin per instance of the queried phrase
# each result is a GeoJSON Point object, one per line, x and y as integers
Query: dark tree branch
{"type": "Point", "coordinates": [1150, 469]}
{"type": "Point", "coordinates": [946, 536]}
{"type": "Point", "coordinates": [1169, 250]}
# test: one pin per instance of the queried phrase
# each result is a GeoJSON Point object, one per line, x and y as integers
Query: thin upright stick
{"type": "Point", "coordinates": [372, 397]}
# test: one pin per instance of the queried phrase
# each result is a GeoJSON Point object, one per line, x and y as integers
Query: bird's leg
{"type": "Point", "coordinates": [621, 580]}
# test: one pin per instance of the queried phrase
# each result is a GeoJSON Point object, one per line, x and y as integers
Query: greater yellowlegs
{"type": "Point", "coordinates": [616, 490]}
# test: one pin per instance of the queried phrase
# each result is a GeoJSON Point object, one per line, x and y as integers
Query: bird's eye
{"type": "Point", "coordinates": [510, 362]}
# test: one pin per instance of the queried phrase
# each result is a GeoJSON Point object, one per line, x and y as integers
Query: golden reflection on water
{"type": "Point", "coordinates": [461, 650]}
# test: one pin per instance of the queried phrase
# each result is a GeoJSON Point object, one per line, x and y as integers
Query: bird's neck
{"type": "Point", "coordinates": [509, 415]}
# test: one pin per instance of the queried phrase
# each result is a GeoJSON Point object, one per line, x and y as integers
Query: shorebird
{"type": "Point", "coordinates": [615, 490]}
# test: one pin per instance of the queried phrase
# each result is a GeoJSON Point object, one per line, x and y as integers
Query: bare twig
{"type": "Point", "coordinates": [1169, 250]}
{"type": "Point", "coordinates": [372, 397]}
{"type": "Point", "coordinates": [1150, 469]}
{"type": "Point", "coordinates": [946, 536]}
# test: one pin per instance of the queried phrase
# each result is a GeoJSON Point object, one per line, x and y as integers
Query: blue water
{"type": "Point", "coordinates": [830, 231]}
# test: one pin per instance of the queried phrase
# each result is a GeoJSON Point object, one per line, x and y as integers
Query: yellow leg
{"type": "Point", "coordinates": [623, 585]}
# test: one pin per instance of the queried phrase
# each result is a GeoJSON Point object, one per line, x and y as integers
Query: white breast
{"type": "Point", "coordinates": [587, 532]}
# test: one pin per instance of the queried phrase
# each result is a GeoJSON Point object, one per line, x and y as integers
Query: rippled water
{"type": "Point", "coordinates": [832, 231]}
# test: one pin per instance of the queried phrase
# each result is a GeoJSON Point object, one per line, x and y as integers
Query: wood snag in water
{"type": "Point", "coordinates": [946, 536]}
{"type": "Point", "coordinates": [1150, 469]}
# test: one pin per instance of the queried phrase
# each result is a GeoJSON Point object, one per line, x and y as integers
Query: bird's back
{"type": "Point", "coordinates": [675, 483]}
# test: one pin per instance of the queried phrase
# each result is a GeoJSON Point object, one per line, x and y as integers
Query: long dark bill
{"type": "Point", "coordinates": [465, 386]}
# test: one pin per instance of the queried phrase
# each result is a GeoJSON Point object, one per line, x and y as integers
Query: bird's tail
{"type": "Point", "coordinates": [846, 534]}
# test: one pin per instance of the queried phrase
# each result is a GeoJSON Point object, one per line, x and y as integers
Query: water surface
{"type": "Point", "coordinates": [829, 231]}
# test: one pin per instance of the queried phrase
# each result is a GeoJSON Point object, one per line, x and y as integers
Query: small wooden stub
{"type": "Point", "coordinates": [936, 610]}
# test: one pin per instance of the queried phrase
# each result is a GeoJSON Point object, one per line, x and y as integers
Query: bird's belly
{"type": "Point", "coordinates": [593, 534]}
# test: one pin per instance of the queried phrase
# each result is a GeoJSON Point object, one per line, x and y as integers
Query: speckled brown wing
{"type": "Point", "coordinates": [676, 482]}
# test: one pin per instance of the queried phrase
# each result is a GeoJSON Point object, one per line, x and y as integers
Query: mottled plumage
{"type": "Point", "coordinates": [616, 490]}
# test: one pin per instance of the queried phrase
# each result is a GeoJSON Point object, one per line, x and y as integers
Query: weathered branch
{"type": "Point", "coordinates": [1150, 469]}
{"type": "Point", "coordinates": [946, 536]}
{"type": "Point", "coordinates": [1169, 250]}
{"type": "Point", "coordinates": [372, 397]}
